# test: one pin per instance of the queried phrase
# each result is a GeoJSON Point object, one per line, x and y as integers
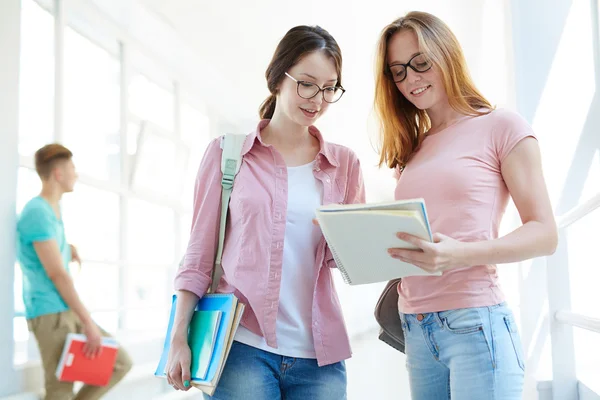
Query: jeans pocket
{"type": "Point", "coordinates": [515, 338]}
{"type": "Point", "coordinates": [462, 320]}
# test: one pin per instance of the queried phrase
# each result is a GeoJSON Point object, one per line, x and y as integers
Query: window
{"type": "Point", "coordinates": [98, 286]}
{"type": "Point", "coordinates": [150, 238]}
{"type": "Point", "coordinates": [92, 110]}
{"type": "Point", "coordinates": [36, 80]}
{"type": "Point", "coordinates": [195, 131]}
{"type": "Point", "coordinates": [148, 101]}
{"type": "Point", "coordinates": [159, 163]}
{"type": "Point", "coordinates": [91, 219]}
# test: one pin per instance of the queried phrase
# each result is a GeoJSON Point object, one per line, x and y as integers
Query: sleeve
{"type": "Point", "coordinates": [35, 225]}
{"type": "Point", "coordinates": [355, 194]}
{"type": "Point", "coordinates": [509, 130]}
{"type": "Point", "coordinates": [194, 274]}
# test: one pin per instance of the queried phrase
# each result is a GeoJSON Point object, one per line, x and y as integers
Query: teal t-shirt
{"type": "Point", "coordinates": [38, 223]}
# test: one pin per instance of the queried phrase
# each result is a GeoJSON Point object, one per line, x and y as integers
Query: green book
{"type": "Point", "coordinates": [202, 336]}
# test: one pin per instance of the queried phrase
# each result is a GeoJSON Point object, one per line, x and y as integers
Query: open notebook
{"type": "Point", "coordinates": [359, 236]}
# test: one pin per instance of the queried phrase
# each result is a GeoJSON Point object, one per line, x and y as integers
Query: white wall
{"type": "Point", "coordinates": [9, 73]}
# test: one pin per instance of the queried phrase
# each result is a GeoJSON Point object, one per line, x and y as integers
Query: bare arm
{"type": "Point", "coordinates": [186, 304]}
{"type": "Point", "coordinates": [538, 236]}
{"type": "Point", "coordinates": [178, 365]}
{"type": "Point", "coordinates": [50, 257]}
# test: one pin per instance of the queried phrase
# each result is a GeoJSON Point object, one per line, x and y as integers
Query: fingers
{"type": "Point", "coordinates": [174, 376]}
{"type": "Point", "coordinates": [185, 377]}
{"type": "Point", "coordinates": [87, 351]}
{"type": "Point", "coordinates": [98, 349]}
{"type": "Point", "coordinates": [92, 349]}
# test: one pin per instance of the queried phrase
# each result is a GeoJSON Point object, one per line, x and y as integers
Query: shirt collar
{"type": "Point", "coordinates": [324, 152]}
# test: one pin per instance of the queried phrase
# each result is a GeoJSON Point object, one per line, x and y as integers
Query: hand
{"type": "Point", "coordinates": [443, 254]}
{"type": "Point", "coordinates": [75, 255]}
{"type": "Point", "coordinates": [178, 364]}
{"type": "Point", "coordinates": [93, 345]}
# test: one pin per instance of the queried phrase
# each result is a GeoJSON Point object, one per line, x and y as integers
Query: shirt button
{"type": "Point", "coordinates": [317, 169]}
{"type": "Point", "coordinates": [327, 180]}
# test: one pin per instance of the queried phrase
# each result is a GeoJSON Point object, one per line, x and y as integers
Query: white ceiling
{"type": "Point", "coordinates": [239, 37]}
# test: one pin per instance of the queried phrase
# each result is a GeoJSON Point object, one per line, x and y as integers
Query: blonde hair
{"type": "Point", "coordinates": [402, 125]}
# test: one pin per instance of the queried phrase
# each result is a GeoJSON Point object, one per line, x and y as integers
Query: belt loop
{"type": "Point", "coordinates": [404, 321]}
{"type": "Point", "coordinates": [438, 319]}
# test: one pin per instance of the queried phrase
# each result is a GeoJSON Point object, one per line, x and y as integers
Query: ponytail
{"type": "Point", "coordinates": [267, 108]}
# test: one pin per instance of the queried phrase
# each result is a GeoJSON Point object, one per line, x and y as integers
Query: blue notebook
{"type": "Point", "coordinates": [227, 307]}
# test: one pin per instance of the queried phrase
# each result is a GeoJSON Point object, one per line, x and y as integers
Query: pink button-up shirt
{"type": "Point", "coordinates": [254, 240]}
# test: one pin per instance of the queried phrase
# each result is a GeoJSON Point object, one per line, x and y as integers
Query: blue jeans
{"type": "Point", "coordinates": [463, 354]}
{"type": "Point", "coordinates": [251, 373]}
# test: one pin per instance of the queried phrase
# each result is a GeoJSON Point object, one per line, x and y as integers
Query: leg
{"type": "Point", "coordinates": [249, 373]}
{"type": "Point", "coordinates": [50, 332]}
{"type": "Point", "coordinates": [429, 378]}
{"type": "Point", "coordinates": [510, 368]}
{"type": "Point", "coordinates": [123, 364]}
{"type": "Point", "coordinates": [475, 344]}
{"type": "Point", "coordinates": [303, 379]}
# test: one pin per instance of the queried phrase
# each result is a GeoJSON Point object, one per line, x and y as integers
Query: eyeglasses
{"type": "Point", "coordinates": [308, 90]}
{"type": "Point", "coordinates": [419, 63]}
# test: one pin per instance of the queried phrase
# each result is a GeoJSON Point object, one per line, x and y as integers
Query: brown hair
{"type": "Point", "coordinates": [403, 125]}
{"type": "Point", "coordinates": [297, 43]}
{"type": "Point", "coordinates": [48, 157]}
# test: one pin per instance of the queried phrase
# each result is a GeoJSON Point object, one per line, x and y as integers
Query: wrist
{"type": "Point", "coordinates": [469, 253]}
{"type": "Point", "coordinates": [179, 334]}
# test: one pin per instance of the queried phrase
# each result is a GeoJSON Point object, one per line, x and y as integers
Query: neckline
{"type": "Point", "coordinates": [310, 164]}
{"type": "Point", "coordinates": [453, 124]}
{"type": "Point", "coordinates": [47, 203]}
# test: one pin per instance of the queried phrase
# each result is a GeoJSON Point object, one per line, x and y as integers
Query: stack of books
{"type": "Point", "coordinates": [210, 337]}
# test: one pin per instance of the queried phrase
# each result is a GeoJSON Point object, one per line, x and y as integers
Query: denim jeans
{"type": "Point", "coordinates": [467, 353]}
{"type": "Point", "coordinates": [251, 373]}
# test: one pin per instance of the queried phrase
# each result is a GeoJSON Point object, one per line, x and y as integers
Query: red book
{"type": "Point", "coordinates": [74, 366]}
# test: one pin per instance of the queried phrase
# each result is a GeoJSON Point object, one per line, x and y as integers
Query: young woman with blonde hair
{"type": "Point", "coordinates": [449, 146]}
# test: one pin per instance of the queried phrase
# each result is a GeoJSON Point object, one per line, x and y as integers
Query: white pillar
{"type": "Point", "coordinates": [10, 11]}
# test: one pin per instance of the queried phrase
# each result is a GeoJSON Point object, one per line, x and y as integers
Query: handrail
{"type": "Point", "coordinates": [578, 212]}
{"type": "Point", "coordinates": [578, 320]}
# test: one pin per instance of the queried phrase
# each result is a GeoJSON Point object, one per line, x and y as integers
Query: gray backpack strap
{"type": "Point", "coordinates": [230, 166]}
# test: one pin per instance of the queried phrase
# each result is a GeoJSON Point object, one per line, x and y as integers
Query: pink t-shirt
{"type": "Point", "coordinates": [457, 172]}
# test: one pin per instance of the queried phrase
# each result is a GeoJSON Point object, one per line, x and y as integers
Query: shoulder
{"type": "Point", "coordinates": [341, 153]}
{"type": "Point", "coordinates": [503, 119]}
{"type": "Point", "coordinates": [35, 207]}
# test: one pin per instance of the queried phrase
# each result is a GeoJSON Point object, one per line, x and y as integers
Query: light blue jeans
{"type": "Point", "coordinates": [255, 374]}
{"type": "Point", "coordinates": [464, 354]}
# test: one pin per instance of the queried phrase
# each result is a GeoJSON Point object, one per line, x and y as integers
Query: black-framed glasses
{"type": "Point", "coordinates": [308, 90]}
{"type": "Point", "coordinates": [418, 63]}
